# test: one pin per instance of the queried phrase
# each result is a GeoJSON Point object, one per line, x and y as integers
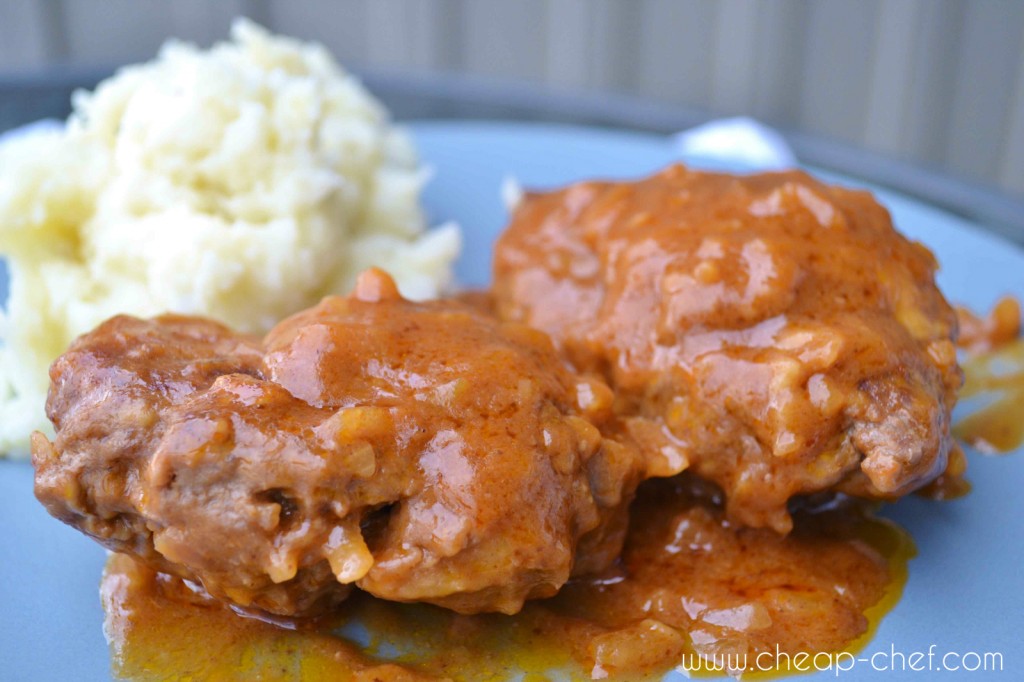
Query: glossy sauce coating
{"type": "Point", "coordinates": [772, 333]}
{"type": "Point", "coordinates": [690, 589]}
{"type": "Point", "coordinates": [421, 451]}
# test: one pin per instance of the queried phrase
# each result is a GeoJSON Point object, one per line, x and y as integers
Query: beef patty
{"type": "Point", "coordinates": [772, 333]}
{"type": "Point", "coordinates": [422, 451]}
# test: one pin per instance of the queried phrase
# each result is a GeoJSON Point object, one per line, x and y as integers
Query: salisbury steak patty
{"type": "Point", "coordinates": [771, 333]}
{"type": "Point", "coordinates": [421, 451]}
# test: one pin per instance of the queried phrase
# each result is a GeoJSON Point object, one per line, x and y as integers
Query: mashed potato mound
{"type": "Point", "coordinates": [242, 183]}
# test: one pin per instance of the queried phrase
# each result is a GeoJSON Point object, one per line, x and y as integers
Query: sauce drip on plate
{"type": "Point", "coordinates": [996, 380]}
{"type": "Point", "coordinates": [690, 590]}
{"type": "Point", "coordinates": [993, 391]}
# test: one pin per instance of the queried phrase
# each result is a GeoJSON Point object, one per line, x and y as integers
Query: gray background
{"type": "Point", "coordinates": [937, 82]}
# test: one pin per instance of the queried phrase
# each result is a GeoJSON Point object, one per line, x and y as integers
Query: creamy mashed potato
{"type": "Point", "coordinates": [243, 183]}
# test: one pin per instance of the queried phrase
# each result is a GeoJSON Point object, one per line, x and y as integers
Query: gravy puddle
{"type": "Point", "coordinates": [690, 590]}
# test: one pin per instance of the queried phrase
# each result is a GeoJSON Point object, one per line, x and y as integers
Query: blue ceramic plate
{"type": "Point", "coordinates": [966, 588]}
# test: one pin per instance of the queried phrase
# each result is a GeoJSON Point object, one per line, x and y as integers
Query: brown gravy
{"type": "Point", "coordinates": [690, 589]}
{"type": "Point", "coordinates": [993, 390]}
{"type": "Point", "coordinates": [995, 381]}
